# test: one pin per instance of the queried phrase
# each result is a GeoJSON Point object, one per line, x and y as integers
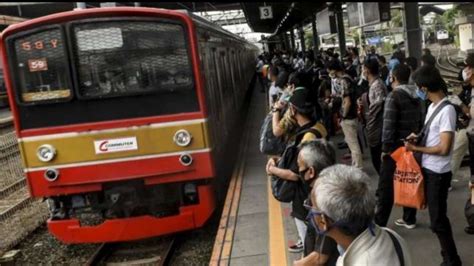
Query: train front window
{"type": "Point", "coordinates": [41, 67]}
{"type": "Point", "coordinates": [118, 58]}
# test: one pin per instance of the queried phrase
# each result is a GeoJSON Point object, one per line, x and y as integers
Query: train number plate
{"type": "Point", "coordinates": [40, 64]}
{"type": "Point", "coordinates": [115, 145]}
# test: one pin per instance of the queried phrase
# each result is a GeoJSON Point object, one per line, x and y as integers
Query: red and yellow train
{"type": "Point", "coordinates": [122, 115]}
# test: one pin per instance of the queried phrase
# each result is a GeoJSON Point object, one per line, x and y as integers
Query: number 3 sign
{"type": "Point", "coordinates": [266, 12]}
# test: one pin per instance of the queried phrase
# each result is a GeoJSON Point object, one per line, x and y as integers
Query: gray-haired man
{"type": "Point", "coordinates": [314, 157]}
{"type": "Point", "coordinates": [343, 208]}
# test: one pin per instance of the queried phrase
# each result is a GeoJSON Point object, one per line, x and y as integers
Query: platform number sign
{"type": "Point", "coordinates": [266, 12]}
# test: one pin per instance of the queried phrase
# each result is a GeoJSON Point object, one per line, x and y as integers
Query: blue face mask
{"type": "Point", "coordinates": [421, 94]}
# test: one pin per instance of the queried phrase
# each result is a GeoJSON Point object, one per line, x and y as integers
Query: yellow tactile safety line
{"type": "Point", "coordinates": [276, 232]}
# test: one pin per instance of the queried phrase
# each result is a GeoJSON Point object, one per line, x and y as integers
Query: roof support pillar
{"type": "Point", "coordinates": [412, 29]}
{"type": "Point", "coordinates": [292, 38]}
{"type": "Point", "coordinates": [315, 34]}
{"type": "Point", "coordinates": [301, 33]}
{"type": "Point", "coordinates": [287, 42]}
{"type": "Point", "coordinates": [340, 28]}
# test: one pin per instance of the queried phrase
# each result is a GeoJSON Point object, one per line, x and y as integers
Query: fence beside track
{"type": "Point", "coordinates": [19, 214]}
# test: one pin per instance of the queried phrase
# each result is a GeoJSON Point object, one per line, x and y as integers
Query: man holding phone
{"type": "Point", "coordinates": [402, 115]}
{"type": "Point", "coordinates": [435, 143]}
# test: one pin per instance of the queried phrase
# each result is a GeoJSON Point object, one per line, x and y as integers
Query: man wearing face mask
{"type": "Point", "coordinates": [402, 115]}
{"type": "Point", "coordinates": [343, 208]}
{"type": "Point", "coordinates": [349, 67]}
{"type": "Point", "coordinates": [434, 144]}
{"type": "Point", "coordinates": [315, 156]}
{"type": "Point", "coordinates": [343, 91]}
{"type": "Point", "coordinates": [301, 110]}
{"type": "Point", "coordinates": [468, 77]}
{"type": "Point", "coordinates": [374, 115]}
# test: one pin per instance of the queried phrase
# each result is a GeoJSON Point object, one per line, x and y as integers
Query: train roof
{"type": "Point", "coordinates": [201, 21]}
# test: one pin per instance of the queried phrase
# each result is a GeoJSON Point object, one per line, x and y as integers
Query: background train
{"type": "Point", "coordinates": [122, 115]}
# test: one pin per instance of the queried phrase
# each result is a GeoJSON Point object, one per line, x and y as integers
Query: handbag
{"type": "Point", "coordinates": [408, 183]}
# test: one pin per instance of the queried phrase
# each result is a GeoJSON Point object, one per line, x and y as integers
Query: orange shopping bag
{"type": "Point", "coordinates": [408, 185]}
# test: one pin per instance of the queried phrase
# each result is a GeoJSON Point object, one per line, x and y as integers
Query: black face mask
{"type": "Point", "coordinates": [306, 182]}
{"type": "Point", "coordinates": [303, 173]}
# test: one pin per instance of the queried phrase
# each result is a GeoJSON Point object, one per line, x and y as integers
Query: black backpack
{"type": "Point", "coordinates": [269, 144]}
{"type": "Point", "coordinates": [284, 190]}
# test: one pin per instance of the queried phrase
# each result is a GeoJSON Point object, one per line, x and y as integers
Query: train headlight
{"type": "Point", "coordinates": [46, 153]}
{"type": "Point", "coordinates": [182, 138]}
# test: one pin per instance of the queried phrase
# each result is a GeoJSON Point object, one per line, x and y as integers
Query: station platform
{"type": "Point", "coordinates": [256, 229]}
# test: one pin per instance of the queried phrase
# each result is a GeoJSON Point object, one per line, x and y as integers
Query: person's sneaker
{"type": "Point", "coordinates": [296, 248]}
{"type": "Point", "coordinates": [469, 230]}
{"type": "Point", "coordinates": [401, 222]}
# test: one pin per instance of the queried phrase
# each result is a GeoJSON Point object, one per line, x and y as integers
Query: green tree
{"type": "Point", "coordinates": [397, 18]}
{"type": "Point", "coordinates": [446, 22]}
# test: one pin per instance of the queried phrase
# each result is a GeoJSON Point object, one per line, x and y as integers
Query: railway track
{"type": "Point", "coordinates": [450, 71]}
{"type": "Point", "coordinates": [156, 251]}
{"type": "Point", "coordinates": [13, 201]}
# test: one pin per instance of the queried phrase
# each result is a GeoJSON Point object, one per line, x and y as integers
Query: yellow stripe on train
{"type": "Point", "coordinates": [112, 144]}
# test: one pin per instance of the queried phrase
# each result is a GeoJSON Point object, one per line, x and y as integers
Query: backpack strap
{"type": "Point", "coordinates": [398, 247]}
{"type": "Point", "coordinates": [301, 134]}
{"type": "Point", "coordinates": [438, 109]}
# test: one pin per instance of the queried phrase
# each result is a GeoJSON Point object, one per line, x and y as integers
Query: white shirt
{"type": "Point", "coordinates": [376, 250]}
{"type": "Point", "coordinates": [445, 121]}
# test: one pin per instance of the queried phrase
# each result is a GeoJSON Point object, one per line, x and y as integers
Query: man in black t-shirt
{"type": "Point", "coordinates": [343, 90]}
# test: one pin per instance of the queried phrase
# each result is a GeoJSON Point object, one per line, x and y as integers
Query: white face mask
{"type": "Point", "coordinates": [466, 74]}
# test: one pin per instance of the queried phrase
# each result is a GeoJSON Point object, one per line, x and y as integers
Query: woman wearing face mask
{"type": "Point", "coordinates": [343, 200]}
{"type": "Point", "coordinates": [301, 109]}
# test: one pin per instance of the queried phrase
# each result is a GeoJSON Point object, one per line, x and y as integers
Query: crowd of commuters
{"type": "Point", "coordinates": [340, 212]}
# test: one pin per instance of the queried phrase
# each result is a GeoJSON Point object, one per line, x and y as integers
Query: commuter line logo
{"type": "Point", "coordinates": [115, 145]}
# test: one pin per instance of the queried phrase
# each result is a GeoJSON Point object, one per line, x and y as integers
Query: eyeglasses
{"type": "Point", "coordinates": [307, 204]}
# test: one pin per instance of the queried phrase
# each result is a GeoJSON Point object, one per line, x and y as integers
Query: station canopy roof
{"type": "Point", "coordinates": [286, 15]}
{"type": "Point", "coordinates": [39, 9]}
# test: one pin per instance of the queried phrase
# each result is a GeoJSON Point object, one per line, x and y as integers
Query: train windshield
{"type": "Point", "coordinates": [97, 70]}
{"type": "Point", "coordinates": [42, 67]}
{"type": "Point", "coordinates": [122, 58]}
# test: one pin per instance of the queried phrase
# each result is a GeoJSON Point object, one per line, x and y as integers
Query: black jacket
{"type": "Point", "coordinates": [402, 116]}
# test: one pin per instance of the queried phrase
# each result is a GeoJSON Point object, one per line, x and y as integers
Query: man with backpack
{"type": "Point", "coordinates": [302, 111]}
{"type": "Point", "coordinates": [313, 157]}
{"type": "Point", "coordinates": [402, 115]}
{"type": "Point", "coordinates": [344, 96]}
{"type": "Point", "coordinates": [434, 144]}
